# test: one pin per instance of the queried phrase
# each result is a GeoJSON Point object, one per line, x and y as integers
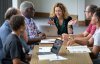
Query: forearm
{"type": "Point", "coordinates": [78, 35]}
{"type": "Point", "coordinates": [93, 56]}
{"type": "Point", "coordinates": [83, 39]}
{"type": "Point", "coordinates": [18, 61]}
{"type": "Point", "coordinates": [80, 42]}
{"type": "Point", "coordinates": [85, 42]}
{"type": "Point", "coordinates": [31, 41]}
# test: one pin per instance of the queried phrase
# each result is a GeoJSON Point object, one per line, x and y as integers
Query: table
{"type": "Point", "coordinates": [73, 58]}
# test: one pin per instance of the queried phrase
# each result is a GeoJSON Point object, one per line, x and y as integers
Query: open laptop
{"type": "Point", "coordinates": [49, 30]}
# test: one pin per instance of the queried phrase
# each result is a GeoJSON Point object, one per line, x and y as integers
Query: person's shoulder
{"type": "Point", "coordinates": [97, 32]}
{"type": "Point", "coordinates": [10, 40]}
{"type": "Point", "coordinates": [12, 37]}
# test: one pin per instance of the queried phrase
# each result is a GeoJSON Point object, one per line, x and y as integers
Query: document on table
{"type": "Point", "coordinates": [46, 54]}
{"type": "Point", "coordinates": [78, 49]}
{"type": "Point", "coordinates": [42, 49]}
{"type": "Point", "coordinates": [45, 49]}
{"type": "Point", "coordinates": [30, 52]}
{"type": "Point", "coordinates": [51, 57]}
{"type": "Point", "coordinates": [48, 41]}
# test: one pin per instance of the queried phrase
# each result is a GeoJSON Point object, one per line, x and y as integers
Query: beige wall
{"type": "Point", "coordinates": [75, 7]}
{"type": "Point", "coordinates": [95, 2]}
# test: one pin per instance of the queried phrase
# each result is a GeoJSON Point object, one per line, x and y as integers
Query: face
{"type": "Point", "coordinates": [58, 12]}
{"type": "Point", "coordinates": [94, 20]}
{"type": "Point", "coordinates": [88, 13]}
{"type": "Point", "coordinates": [31, 12]}
{"type": "Point", "coordinates": [22, 29]}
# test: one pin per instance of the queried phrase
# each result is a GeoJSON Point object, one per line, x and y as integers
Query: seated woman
{"type": "Point", "coordinates": [60, 17]}
{"type": "Point", "coordinates": [13, 49]}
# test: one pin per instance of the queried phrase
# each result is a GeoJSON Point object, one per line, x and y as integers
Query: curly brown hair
{"type": "Point", "coordinates": [62, 7]}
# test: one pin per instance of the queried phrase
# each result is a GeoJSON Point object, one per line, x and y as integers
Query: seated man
{"type": "Point", "coordinates": [5, 29]}
{"type": "Point", "coordinates": [13, 49]}
{"type": "Point", "coordinates": [81, 38]}
{"type": "Point", "coordinates": [34, 35]}
{"type": "Point", "coordinates": [94, 41]}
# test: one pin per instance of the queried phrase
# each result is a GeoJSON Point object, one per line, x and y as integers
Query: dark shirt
{"type": "Point", "coordinates": [13, 49]}
{"type": "Point", "coordinates": [62, 28]}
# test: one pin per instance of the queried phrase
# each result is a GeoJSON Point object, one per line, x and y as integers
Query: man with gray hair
{"type": "Point", "coordinates": [28, 11]}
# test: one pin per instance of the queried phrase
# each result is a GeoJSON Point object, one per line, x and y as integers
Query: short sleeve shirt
{"type": "Point", "coordinates": [96, 37]}
{"type": "Point", "coordinates": [62, 28]}
{"type": "Point", "coordinates": [91, 29]}
{"type": "Point", "coordinates": [13, 49]}
{"type": "Point", "coordinates": [31, 28]}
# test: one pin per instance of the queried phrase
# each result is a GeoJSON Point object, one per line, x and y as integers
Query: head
{"type": "Point", "coordinates": [10, 12]}
{"type": "Point", "coordinates": [27, 9]}
{"type": "Point", "coordinates": [18, 24]}
{"type": "Point", "coordinates": [59, 10]}
{"type": "Point", "coordinates": [96, 17]}
{"type": "Point", "coordinates": [90, 10]}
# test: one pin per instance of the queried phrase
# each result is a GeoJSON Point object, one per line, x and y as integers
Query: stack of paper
{"type": "Point", "coordinates": [46, 54]}
{"type": "Point", "coordinates": [48, 41]}
{"type": "Point", "coordinates": [78, 49]}
{"type": "Point", "coordinates": [51, 57]}
{"type": "Point", "coordinates": [45, 49]}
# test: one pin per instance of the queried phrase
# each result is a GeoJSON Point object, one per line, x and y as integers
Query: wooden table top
{"type": "Point", "coordinates": [73, 58]}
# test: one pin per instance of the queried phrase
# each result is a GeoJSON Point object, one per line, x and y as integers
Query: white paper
{"type": "Point", "coordinates": [48, 41]}
{"type": "Point", "coordinates": [42, 49]}
{"type": "Point", "coordinates": [45, 49]}
{"type": "Point", "coordinates": [51, 57]}
{"type": "Point", "coordinates": [30, 52]}
{"type": "Point", "coordinates": [78, 49]}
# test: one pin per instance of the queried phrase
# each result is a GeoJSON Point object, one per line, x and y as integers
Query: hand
{"type": "Point", "coordinates": [70, 31]}
{"type": "Point", "coordinates": [42, 35]}
{"type": "Point", "coordinates": [28, 57]}
{"type": "Point", "coordinates": [51, 22]}
{"type": "Point", "coordinates": [70, 42]}
{"type": "Point", "coordinates": [72, 22]}
{"type": "Point", "coordinates": [65, 37]}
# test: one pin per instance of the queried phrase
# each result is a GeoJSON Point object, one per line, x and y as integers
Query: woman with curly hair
{"type": "Point", "coordinates": [60, 18]}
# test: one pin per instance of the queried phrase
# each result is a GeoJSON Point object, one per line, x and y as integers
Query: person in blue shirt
{"type": "Point", "coordinates": [5, 29]}
{"type": "Point", "coordinates": [13, 49]}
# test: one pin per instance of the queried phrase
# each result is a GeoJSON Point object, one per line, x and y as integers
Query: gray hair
{"type": "Point", "coordinates": [24, 5]}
